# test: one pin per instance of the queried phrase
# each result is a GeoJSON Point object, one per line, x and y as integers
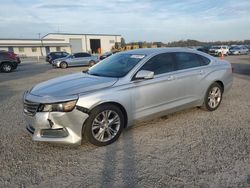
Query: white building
{"type": "Point", "coordinates": [71, 43]}
{"type": "Point", "coordinates": [87, 42]}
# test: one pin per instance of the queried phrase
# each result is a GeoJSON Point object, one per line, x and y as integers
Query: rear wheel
{"type": "Point", "coordinates": [63, 65]}
{"type": "Point", "coordinates": [104, 125]}
{"type": "Point", "coordinates": [6, 67]}
{"type": "Point", "coordinates": [213, 97]}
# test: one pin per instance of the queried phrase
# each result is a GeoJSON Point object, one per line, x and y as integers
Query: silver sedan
{"type": "Point", "coordinates": [122, 89]}
{"type": "Point", "coordinates": [76, 59]}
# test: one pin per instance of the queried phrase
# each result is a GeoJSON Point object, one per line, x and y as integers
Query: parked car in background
{"type": "Point", "coordinates": [7, 62]}
{"type": "Point", "coordinates": [55, 55]}
{"type": "Point", "coordinates": [204, 49]}
{"type": "Point", "coordinates": [219, 50]}
{"type": "Point", "coordinates": [12, 55]}
{"type": "Point", "coordinates": [107, 54]}
{"type": "Point", "coordinates": [121, 90]}
{"type": "Point", "coordinates": [238, 50]}
{"type": "Point", "coordinates": [76, 59]}
{"type": "Point", "coordinates": [248, 47]}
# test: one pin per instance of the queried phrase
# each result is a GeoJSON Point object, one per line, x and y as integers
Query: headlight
{"type": "Point", "coordinates": [58, 107]}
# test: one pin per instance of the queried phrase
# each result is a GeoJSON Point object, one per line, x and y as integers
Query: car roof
{"type": "Point", "coordinates": [149, 51]}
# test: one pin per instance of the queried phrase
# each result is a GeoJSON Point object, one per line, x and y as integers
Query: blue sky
{"type": "Point", "coordinates": [135, 20]}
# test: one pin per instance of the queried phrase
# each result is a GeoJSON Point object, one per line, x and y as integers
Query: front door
{"type": "Point", "coordinates": [153, 95]}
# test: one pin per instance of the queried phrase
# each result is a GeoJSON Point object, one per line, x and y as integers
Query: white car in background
{"type": "Point", "coordinates": [219, 50]}
{"type": "Point", "coordinates": [238, 50]}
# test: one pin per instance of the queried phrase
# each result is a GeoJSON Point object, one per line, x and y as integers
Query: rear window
{"type": "Point", "coordinates": [203, 60]}
{"type": "Point", "coordinates": [185, 60]}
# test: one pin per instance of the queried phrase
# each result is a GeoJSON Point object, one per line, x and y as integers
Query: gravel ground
{"type": "Point", "coordinates": [192, 148]}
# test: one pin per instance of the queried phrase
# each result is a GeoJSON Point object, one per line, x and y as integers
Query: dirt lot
{"type": "Point", "coordinates": [192, 148]}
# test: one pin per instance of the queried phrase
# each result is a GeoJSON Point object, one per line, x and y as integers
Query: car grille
{"type": "Point", "coordinates": [30, 108]}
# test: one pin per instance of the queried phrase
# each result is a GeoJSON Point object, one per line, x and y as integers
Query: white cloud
{"type": "Point", "coordinates": [152, 20]}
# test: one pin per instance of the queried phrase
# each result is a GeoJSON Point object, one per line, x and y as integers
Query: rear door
{"type": "Point", "coordinates": [189, 77]}
{"type": "Point", "coordinates": [85, 59]}
{"type": "Point", "coordinates": [76, 60]}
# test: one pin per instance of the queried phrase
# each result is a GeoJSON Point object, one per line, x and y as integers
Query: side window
{"type": "Point", "coordinates": [85, 55]}
{"type": "Point", "coordinates": [186, 60]}
{"type": "Point", "coordinates": [82, 55]}
{"type": "Point", "coordinates": [203, 60]}
{"type": "Point", "coordinates": [160, 64]}
{"type": "Point", "coordinates": [65, 54]}
{"type": "Point", "coordinates": [77, 55]}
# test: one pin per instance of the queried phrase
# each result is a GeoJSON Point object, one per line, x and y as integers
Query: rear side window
{"type": "Point", "coordinates": [82, 55]}
{"type": "Point", "coordinates": [185, 60]}
{"type": "Point", "coordinates": [203, 60]}
{"type": "Point", "coordinates": [160, 64]}
{"type": "Point", "coordinates": [85, 55]}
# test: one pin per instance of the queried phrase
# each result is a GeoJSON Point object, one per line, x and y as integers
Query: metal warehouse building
{"type": "Point", "coordinates": [71, 43]}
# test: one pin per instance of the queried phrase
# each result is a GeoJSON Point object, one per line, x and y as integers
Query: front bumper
{"type": "Point", "coordinates": [214, 53]}
{"type": "Point", "coordinates": [56, 127]}
{"type": "Point", "coordinates": [56, 64]}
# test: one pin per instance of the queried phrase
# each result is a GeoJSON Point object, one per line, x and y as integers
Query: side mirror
{"type": "Point", "coordinates": [144, 74]}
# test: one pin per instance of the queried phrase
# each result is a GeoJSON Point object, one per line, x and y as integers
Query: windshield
{"type": "Point", "coordinates": [117, 65]}
{"type": "Point", "coordinates": [216, 47]}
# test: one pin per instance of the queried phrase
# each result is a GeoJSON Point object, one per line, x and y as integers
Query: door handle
{"type": "Point", "coordinates": [201, 72]}
{"type": "Point", "coordinates": [170, 78]}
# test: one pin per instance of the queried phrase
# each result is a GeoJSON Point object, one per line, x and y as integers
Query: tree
{"type": "Point", "coordinates": [123, 43]}
{"type": "Point", "coordinates": [116, 45]}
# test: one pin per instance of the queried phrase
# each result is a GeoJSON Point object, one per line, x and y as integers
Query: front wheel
{"type": "Point", "coordinates": [6, 67]}
{"type": "Point", "coordinates": [104, 125]}
{"type": "Point", "coordinates": [63, 65]}
{"type": "Point", "coordinates": [213, 97]}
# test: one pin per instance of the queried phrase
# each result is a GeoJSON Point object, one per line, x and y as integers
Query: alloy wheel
{"type": "Point", "coordinates": [214, 97]}
{"type": "Point", "coordinates": [6, 68]}
{"type": "Point", "coordinates": [106, 126]}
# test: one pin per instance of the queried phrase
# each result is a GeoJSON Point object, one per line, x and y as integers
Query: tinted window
{"type": "Point", "coordinates": [4, 55]}
{"type": "Point", "coordinates": [160, 64]}
{"type": "Point", "coordinates": [203, 60]}
{"type": "Point", "coordinates": [186, 60]}
{"type": "Point", "coordinates": [77, 55]}
{"type": "Point", "coordinates": [82, 55]}
{"type": "Point", "coordinates": [58, 54]}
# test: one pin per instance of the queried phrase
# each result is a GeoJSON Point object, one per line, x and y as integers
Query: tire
{"type": "Point", "coordinates": [6, 67]}
{"type": "Point", "coordinates": [99, 133]}
{"type": "Point", "coordinates": [92, 63]}
{"type": "Point", "coordinates": [63, 65]}
{"type": "Point", "coordinates": [213, 97]}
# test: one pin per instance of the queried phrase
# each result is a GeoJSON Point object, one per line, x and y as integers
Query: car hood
{"type": "Point", "coordinates": [71, 85]}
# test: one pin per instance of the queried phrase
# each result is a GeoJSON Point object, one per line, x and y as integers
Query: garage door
{"type": "Point", "coordinates": [76, 45]}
